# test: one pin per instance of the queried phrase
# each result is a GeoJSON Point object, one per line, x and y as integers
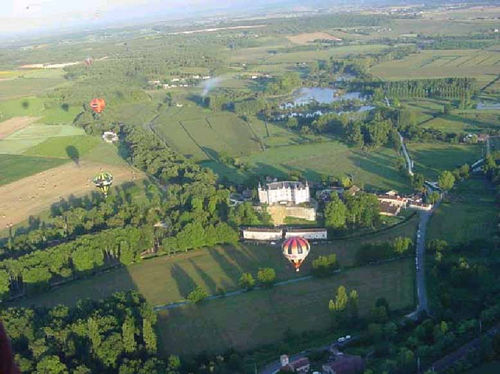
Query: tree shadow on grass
{"type": "Point", "coordinates": [185, 284]}
{"type": "Point", "coordinates": [209, 282]}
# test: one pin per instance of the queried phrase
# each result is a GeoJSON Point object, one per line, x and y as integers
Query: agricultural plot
{"type": "Point", "coordinates": [432, 158]}
{"type": "Point", "coordinates": [14, 167]}
{"type": "Point", "coordinates": [203, 136]}
{"type": "Point", "coordinates": [72, 147]}
{"type": "Point", "coordinates": [468, 213]}
{"type": "Point", "coordinates": [480, 64]}
{"type": "Point", "coordinates": [169, 279]}
{"type": "Point", "coordinates": [34, 194]}
{"type": "Point", "coordinates": [29, 83]}
{"type": "Point", "coordinates": [261, 317]}
{"type": "Point", "coordinates": [12, 125]}
{"type": "Point", "coordinates": [50, 112]}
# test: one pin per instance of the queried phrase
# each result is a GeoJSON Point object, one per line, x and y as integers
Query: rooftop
{"type": "Point", "coordinates": [285, 184]}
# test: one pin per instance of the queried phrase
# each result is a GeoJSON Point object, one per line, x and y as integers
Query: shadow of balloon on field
{"type": "Point", "coordinates": [73, 154]}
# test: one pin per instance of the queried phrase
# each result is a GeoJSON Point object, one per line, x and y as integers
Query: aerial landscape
{"type": "Point", "coordinates": [250, 187]}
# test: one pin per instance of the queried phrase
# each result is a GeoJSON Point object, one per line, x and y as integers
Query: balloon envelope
{"type": "Point", "coordinates": [103, 181]}
{"type": "Point", "coordinates": [97, 105]}
{"type": "Point", "coordinates": [295, 250]}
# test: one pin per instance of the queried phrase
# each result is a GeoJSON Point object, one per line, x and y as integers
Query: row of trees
{"type": "Point", "coordinates": [373, 252]}
{"type": "Point", "coordinates": [109, 336]}
{"type": "Point", "coordinates": [437, 88]}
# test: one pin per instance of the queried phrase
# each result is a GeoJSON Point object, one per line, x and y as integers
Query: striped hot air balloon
{"type": "Point", "coordinates": [103, 182]}
{"type": "Point", "coordinates": [295, 250]}
{"type": "Point", "coordinates": [97, 105]}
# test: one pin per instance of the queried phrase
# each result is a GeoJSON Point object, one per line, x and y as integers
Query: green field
{"type": "Point", "coordinates": [468, 213]}
{"type": "Point", "coordinates": [64, 146]}
{"type": "Point", "coordinates": [373, 170]}
{"type": "Point", "coordinates": [432, 158]}
{"type": "Point", "coordinates": [30, 82]}
{"type": "Point", "coordinates": [15, 167]}
{"type": "Point", "coordinates": [169, 279]}
{"type": "Point", "coordinates": [263, 316]}
{"type": "Point", "coordinates": [479, 64]}
{"type": "Point", "coordinates": [51, 112]}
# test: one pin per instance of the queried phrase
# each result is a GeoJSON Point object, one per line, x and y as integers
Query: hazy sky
{"type": "Point", "coordinates": [29, 15]}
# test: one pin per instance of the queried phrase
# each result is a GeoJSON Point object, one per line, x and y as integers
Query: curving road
{"type": "Point", "coordinates": [409, 162]}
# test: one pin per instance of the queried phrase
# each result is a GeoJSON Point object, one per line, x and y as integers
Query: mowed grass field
{"type": "Point", "coordinates": [373, 170]}
{"type": "Point", "coordinates": [263, 316]}
{"type": "Point", "coordinates": [432, 158]}
{"type": "Point", "coordinates": [469, 212]}
{"type": "Point", "coordinates": [51, 112]}
{"type": "Point", "coordinates": [30, 82]}
{"type": "Point", "coordinates": [169, 279]}
{"type": "Point", "coordinates": [480, 64]}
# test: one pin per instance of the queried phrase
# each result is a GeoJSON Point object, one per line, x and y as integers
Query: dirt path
{"type": "Point", "coordinates": [36, 193]}
{"type": "Point", "coordinates": [14, 124]}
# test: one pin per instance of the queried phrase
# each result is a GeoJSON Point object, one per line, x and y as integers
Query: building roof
{"type": "Point", "coordinates": [386, 207]}
{"type": "Point", "coordinates": [285, 184]}
{"type": "Point", "coordinates": [300, 363]}
{"type": "Point", "coordinates": [262, 229]}
{"type": "Point", "coordinates": [314, 229]}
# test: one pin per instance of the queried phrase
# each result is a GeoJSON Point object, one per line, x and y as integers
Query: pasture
{"type": "Point", "coordinates": [260, 317]}
{"type": "Point", "coordinates": [72, 147]}
{"type": "Point", "coordinates": [30, 83]}
{"type": "Point", "coordinates": [373, 170]}
{"type": "Point", "coordinates": [12, 125]}
{"type": "Point", "coordinates": [469, 212]}
{"type": "Point", "coordinates": [169, 279]}
{"type": "Point", "coordinates": [432, 158]}
{"type": "Point", "coordinates": [480, 64]}
{"type": "Point", "coordinates": [49, 111]}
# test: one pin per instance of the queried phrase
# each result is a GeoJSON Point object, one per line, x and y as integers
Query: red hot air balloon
{"type": "Point", "coordinates": [88, 61]}
{"type": "Point", "coordinates": [295, 250]}
{"type": "Point", "coordinates": [97, 105]}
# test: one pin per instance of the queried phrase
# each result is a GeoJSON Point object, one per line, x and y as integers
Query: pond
{"type": "Point", "coordinates": [322, 95]}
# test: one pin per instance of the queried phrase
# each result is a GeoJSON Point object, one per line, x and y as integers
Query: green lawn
{"type": "Point", "coordinates": [65, 146]}
{"type": "Point", "coordinates": [468, 213]}
{"type": "Point", "coordinates": [263, 316]}
{"type": "Point", "coordinates": [15, 167]}
{"type": "Point", "coordinates": [432, 158]}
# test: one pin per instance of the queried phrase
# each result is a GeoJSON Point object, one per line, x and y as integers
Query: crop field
{"type": "Point", "coordinates": [33, 194]}
{"type": "Point", "coordinates": [31, 136]}
{"type": "Point", "coordinates": [15, 167]}
{"type": "Point", "coordinates": [207, 134]}
{"type": "Point", "coordinates": [169, 279]}
{"type": "Point", "coordinates": [72, 147]}
{"type": "Point", "coordinates": [480, 64]}
{"type": "Point", "coordinates": [263, 316]}
{"type": "Point", "coordinates": [49, 111]}
{"type": "Point", "coordinates": [432, 158]}
{"type": "Point", "coordinates": [468, 213]}
{"type": "Point", "coordinates": [12, 125]}
{"type": "Point", "coordinates": [29, 83]}
{"type": "Point", "coordinates": [310, 37]}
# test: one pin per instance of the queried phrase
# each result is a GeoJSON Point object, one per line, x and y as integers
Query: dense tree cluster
{"type": "Point", "coordinates": [115, 335]}
{"type": "Point", "coordinates": [324, 265]}
{"type": "Point", "coordinates": [450, 88]}
{"type": "Point", "coordinates": [354, 211]}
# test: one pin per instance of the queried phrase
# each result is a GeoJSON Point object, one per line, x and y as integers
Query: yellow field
{"type": "Point", "coordinates": [34, 194]}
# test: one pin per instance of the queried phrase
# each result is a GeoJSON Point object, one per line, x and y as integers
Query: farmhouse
{"type": "Point", "coordinates": [284, 192]}
{"type": "Point", "coordinates": [312, 233]}
{"type": "Point", "coordinates": [262, 233]}
{"type": "Point", "coordinates": [391, 203]}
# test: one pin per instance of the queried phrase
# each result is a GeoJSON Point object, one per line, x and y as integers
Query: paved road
{"type": "Point", "coordinates": [422, 304]}
{"type": "Point", "coordinates": [409, 162]}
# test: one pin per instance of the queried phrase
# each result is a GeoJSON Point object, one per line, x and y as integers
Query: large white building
{"type": "Point", "coordinates": [284, 192]}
